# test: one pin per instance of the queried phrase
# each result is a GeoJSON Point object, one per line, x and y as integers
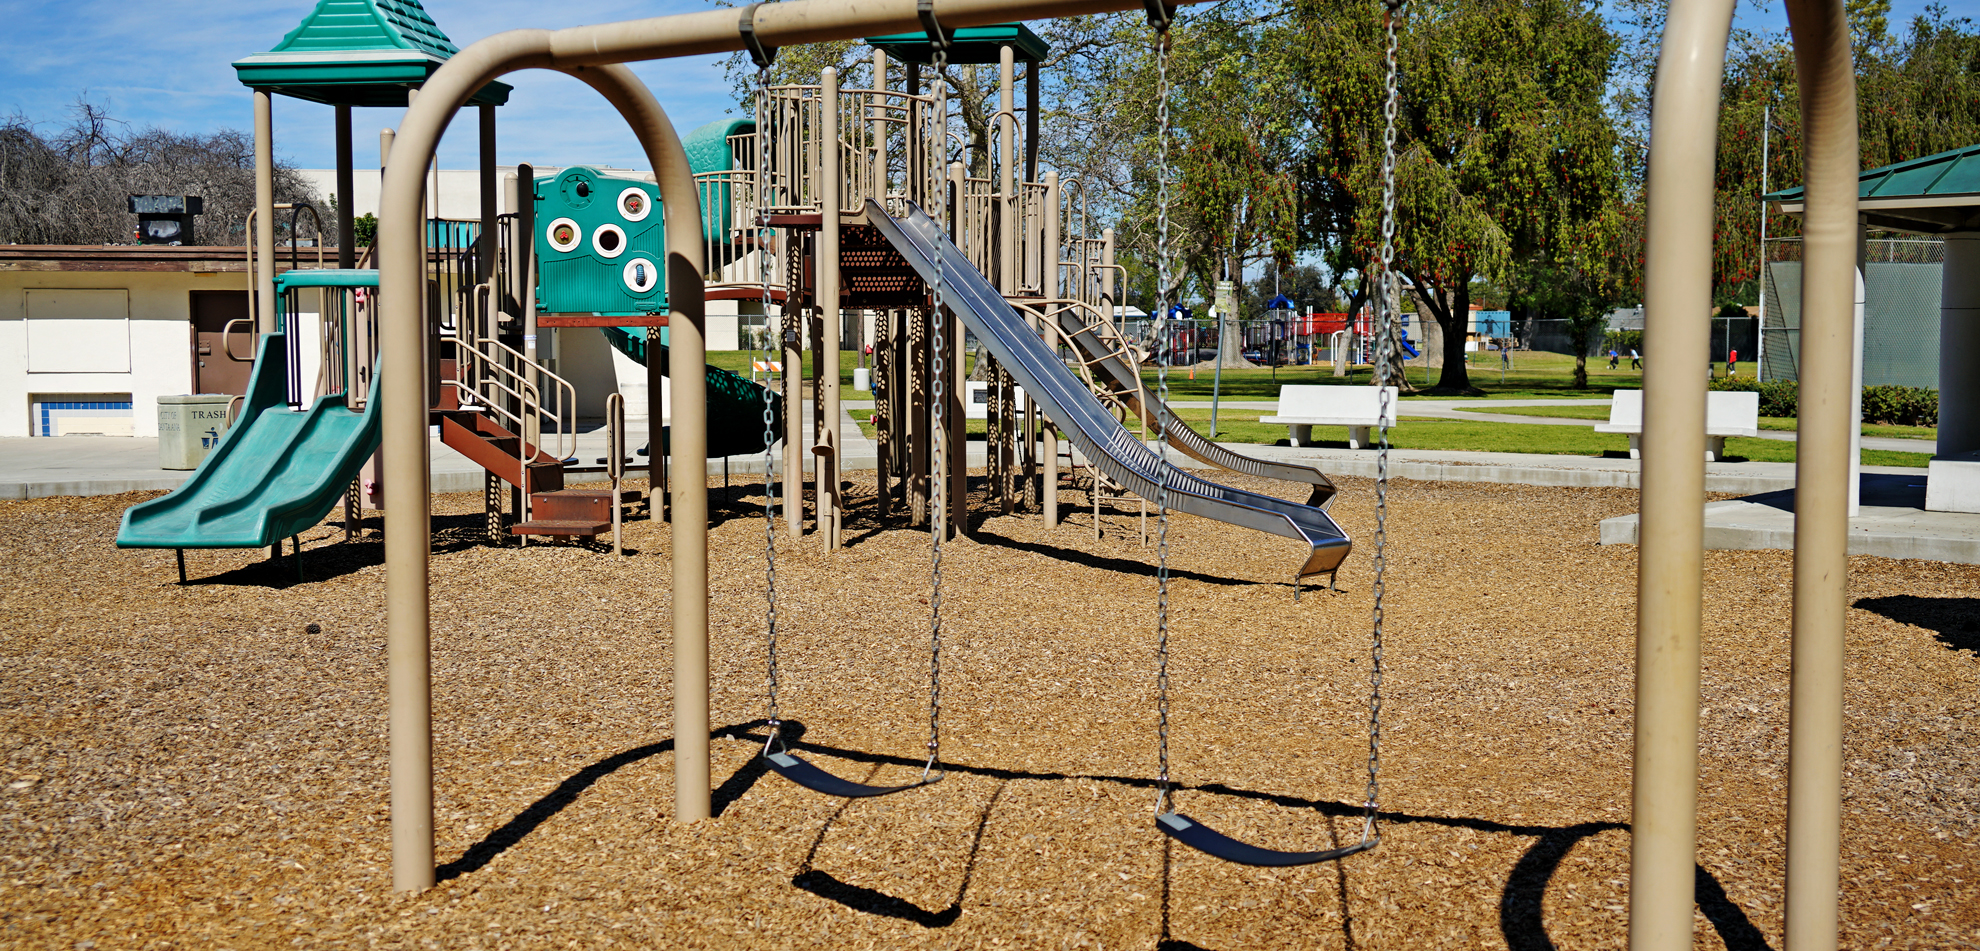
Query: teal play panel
{"type": "Point", "coordinates": [277, 472]}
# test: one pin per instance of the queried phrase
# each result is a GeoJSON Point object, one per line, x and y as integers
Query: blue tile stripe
{"type": "Point", "coordinates": [51, 410]}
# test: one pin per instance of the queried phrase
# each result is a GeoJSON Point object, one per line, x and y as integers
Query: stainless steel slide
{"type": "Point", "coordinates": [1107, 354]}
{"type": "Point", "coordinates": [1067, 402]}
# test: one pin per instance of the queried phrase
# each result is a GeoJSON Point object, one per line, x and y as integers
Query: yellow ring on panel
{"type": "Point", "coordinates": [635, 204]}
{"type": "Point", "coordinates": [563, 234]}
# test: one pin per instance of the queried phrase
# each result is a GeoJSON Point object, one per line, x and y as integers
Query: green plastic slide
{"type": "Point", "coordinates": [274, 474]}
{"type": "Point", "coordinates": [735, 405]}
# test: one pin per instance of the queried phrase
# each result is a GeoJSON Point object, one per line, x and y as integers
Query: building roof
{"type": "Point", "coordinates": [1930, 195]}
{"type": "Point", "coordinates": [973, 44]}
{"type": "Point", "coordinates": [358, 53]}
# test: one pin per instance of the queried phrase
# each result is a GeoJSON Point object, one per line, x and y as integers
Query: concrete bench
{"type": "Point", "coordinates": [1357, 407]}
{"type": "Point", "coordinates": [1726, 414]}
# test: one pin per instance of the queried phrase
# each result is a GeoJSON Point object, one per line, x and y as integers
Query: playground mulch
{"type": "Point", "coordinates": [198, 767]}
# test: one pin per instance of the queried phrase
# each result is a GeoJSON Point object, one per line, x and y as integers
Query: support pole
{"type": "Point", "coordinates": [1822, 467]}
{"type": "Point", "coordinates": [264, 212]}
{"type": "Point", "coordinates": [485, 246]}
{"type": "Point", "coordinates": [1670, 572]}
{"type": "Point", "coordinates": [1049, 497]}
{"type": "Point", "coordinates": [955, 387]}
{"type": "Point", "coordinates": [346, 173]}
{"type": "Point", "coordinates": [830, 194]}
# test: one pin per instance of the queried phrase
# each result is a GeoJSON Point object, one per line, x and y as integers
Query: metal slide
{"type": "Point", "coordinates": [1107, 353]}
{"type": "Point", "coordinates": [1067, 402]}
{"type": "Point", "coordinates": [277, 472]}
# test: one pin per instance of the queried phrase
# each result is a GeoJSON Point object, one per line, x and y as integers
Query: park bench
{"type": "Point", "coordinates": [1357, 407]}
{"type": "Point", "coordinates": [1726, 414]}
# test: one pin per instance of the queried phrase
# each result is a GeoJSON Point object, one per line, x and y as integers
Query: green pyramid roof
{"type": "Point", "coordinates": [973, 44]}
{"type": "Point", "coordinates": [357, 53]}
{"type": "Point", "coordinates": [1933, 194]}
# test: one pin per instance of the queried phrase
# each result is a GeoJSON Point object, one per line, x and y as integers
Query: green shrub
{"type": "Point", "coordinates": [1623, 341]}
{"type": "Point", "coordinates": [1901, 405]}
{"type": "Point", "coordinates": [1898, 405]}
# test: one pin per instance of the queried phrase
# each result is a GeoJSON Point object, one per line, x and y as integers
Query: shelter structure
{"type": "Point", "coordinates": [1936, 195]}
{"type": "Point", "coordinates": [348, 53]}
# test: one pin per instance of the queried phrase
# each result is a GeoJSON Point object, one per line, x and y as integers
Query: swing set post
{"type": "Point", "coordinates": [1677, 280]}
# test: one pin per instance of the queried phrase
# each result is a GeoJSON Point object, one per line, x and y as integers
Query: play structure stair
{"type": "Point", "coordinates": [554, 511]}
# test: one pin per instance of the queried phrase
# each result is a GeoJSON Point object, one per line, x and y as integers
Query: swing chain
{"type": "Point", "coordinates": [1161, 421]}
{"type": "Point", "coordinates": [764, 121]}
{"type": "Point", "coordinates": [1385, 358]}
{"type": "Point", "coordinates": [938, 521]}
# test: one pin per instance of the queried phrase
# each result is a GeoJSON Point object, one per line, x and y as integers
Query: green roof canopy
{"type": "Point", "coordinates": [1931, 195]}
{"type": "Point", "coordinates": [358, 53]}
{"type": "Point", "coordinates": [973, 44]}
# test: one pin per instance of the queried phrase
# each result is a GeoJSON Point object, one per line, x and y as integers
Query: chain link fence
{"type": "Point", "coordinates": [1902, 278]}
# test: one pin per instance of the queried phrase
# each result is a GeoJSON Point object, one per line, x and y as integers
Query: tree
{"type": "Point", "coordinates": [1506, 152]}
{"type": "Point", "coordinates": [72, 187]}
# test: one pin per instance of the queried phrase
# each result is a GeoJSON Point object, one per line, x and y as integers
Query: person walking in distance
{"type": "Point", "coordinates": [1732, 363]}
{"type": "Point", "coordinates": [1613, 357]}
{"type": "Point", "coordinates": [1635, 359]}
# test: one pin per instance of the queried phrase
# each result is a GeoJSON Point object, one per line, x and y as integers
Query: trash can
{"type": "Point", "coordinates": [189, 427]}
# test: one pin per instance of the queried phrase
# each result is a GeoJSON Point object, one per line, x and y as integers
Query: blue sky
{"type": "Point", "coordinates": [165, 63]}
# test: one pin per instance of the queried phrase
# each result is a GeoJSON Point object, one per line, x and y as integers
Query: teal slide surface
{"type": "Point", "coordinates": [274, 474]}
{"type": "Point", "coordinates": [735, 405]}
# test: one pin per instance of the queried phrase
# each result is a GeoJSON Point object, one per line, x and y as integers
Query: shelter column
{"type": "Point", "coordinates": [1959, 346]}
{"type": "Point", "coordinates": [264, 211]}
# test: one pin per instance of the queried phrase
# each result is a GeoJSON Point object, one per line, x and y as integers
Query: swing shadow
{"type": "Point", "coordinates": [1087, 559]}
{"type": "Point", "coordinates": [875, 902]}
{"type": "Point", "coordinates": [1520, 914]}
{"type": "Point", "coordinates": [332, 557]}
{"type": "Point", "coordinates": [512, 832]}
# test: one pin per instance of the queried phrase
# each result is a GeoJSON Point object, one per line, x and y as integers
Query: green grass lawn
{"type": "Point", "coordinates": [1774, 423]}
{"type": "Point", "coordinates": [1416, 432]}
{"type": "Point", "coordinates": [738, 361]}
{"type": "Point", "coordinates": [1534, 375]}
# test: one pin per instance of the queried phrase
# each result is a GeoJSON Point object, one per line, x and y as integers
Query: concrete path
{"type": "Point", "coordinates": [1891, 523]}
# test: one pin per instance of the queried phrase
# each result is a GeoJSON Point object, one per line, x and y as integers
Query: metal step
{"type": "Point", "coordinates": [567, 528]}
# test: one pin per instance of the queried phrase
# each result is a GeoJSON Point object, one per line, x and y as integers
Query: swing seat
{"type": "Point", "coordinates": [1210, 842]}
{"type": "Point", "coordinates": [818, 780]}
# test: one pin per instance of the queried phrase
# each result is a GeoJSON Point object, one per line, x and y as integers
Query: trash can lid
{"type": "Point", "coordinates": [195, 398]}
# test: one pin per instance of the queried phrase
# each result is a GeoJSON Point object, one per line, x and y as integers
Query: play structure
{"type": "Point", "coordinates": [803, 210]}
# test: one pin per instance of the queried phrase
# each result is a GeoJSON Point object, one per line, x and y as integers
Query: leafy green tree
{"type": "Point", "coordinates": [1506, 153]}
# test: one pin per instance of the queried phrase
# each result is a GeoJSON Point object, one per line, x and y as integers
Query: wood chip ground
{"type": "Point", "coordinates": [197, 767]}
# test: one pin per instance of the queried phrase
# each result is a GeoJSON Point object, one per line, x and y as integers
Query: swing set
{"type": "Point", "coordinates": [1684, 124]}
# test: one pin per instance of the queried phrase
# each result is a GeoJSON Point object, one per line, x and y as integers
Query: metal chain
{"type": "Point", "coordinates": [764, 106]}
{"type": "Point", "coordinates": [1385, 359]}
{"type": "Point", "coordinates": [1162, 426]}
{"type": "Point", "coordinates": [938, 521]}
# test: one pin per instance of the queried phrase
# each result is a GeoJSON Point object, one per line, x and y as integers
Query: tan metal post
{"type": "Point", "coordinates": [1822, 468]}
{"type": "Point", "coordinates": [790, 326]}
{"type": "Point", "coordinates": [1050, 496]}
{"type": "Point", "coordinates": [346, 172]}
{"type": "Point", "coordinates": [485, 253]}
{"type": "Point", "coordinates": [1677, 282]}
{"type": "Point", "coordinates": [264, 211]}
{"type": "Point", "coordinates": [880, 172]}
{"type": "Point", "coordinates": [831, 191]}
{"type": "Point", "coordinates": [1007, 199]}
{"type": "Point", "coordinates": [955, 387]}
{"type": "Point", "coordinates": [1107, 278]}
